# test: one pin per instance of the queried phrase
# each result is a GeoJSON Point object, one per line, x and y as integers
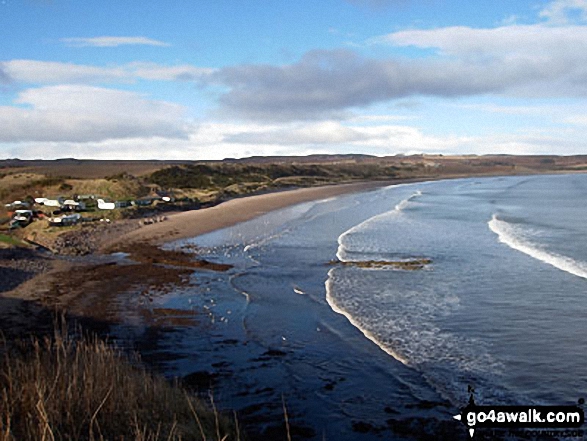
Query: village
{"type": "Point", "coordinates": [62, 211]}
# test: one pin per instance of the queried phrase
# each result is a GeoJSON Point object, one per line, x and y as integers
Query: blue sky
{"type": "Point", "coordinates": [227, 78]}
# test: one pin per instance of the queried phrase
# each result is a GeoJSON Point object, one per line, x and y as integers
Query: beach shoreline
{"type": "Point", "coordinates": [83, 285]}
{"type": "Point", "coordinates": [96, 285]}
{"type": "Point", "coordinates": [50, 287]}
{"type": "Point", "coordinates": [192, 223]}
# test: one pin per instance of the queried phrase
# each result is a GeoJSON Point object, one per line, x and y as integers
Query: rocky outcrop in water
{"type": "Point", "coordinates": [410, 265]}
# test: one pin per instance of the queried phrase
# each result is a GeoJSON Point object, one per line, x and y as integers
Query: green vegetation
{"type": "Point", "coordinates": [66, 388]}
{"type": "Point", "coordinates": [11, 240]}
{"type": "Point", "coordinates": [221, 176]}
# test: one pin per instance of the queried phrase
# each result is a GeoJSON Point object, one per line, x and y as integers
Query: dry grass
{"type": "Point", "coordinates": [107, 188]}
{"type": "Point", "coordinates": [81, 388]}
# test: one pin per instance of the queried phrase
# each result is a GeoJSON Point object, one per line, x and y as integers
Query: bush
{"type": "Point", "coordinates": [81, 388]}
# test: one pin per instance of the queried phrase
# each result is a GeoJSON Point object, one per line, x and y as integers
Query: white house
{"type": "Point", "coordinates": [71, 219]}
{"type": "Point", "coordinates": [49, 202]}
{"type": "Point", "coordinates": [105, 205]}
{"type": "Point", "coordinates": [73, 205]}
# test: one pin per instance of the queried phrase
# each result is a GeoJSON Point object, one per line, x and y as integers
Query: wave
{"type": "Point", "coordinates": [406, 329]}
{"type": "Point", "coordinates": [401, 206]}
{"type": "Point", "coordinates": [514, 237]}
{"type": "Point", "coordinates": [356, 324]}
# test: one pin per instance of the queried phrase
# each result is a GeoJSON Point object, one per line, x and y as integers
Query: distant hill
{"type": "Point", "coordinates": [210, 181]}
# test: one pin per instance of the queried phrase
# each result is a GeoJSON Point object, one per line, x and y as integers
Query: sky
{"type": "Point", "coordinates": [215, 79]}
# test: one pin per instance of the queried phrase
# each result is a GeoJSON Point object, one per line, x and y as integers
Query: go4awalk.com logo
{"type": "Point", "coordinates": [521, 417]}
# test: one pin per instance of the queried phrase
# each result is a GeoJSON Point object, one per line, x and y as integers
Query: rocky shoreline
{"type": "Point", "coordinates": [17, 265]}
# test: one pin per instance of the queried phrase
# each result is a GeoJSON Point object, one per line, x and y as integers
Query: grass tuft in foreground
{"type": "Point", "coordinates": [81, 388]}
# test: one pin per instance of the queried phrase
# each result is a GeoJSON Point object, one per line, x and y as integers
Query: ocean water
{"type": "Point", "coordinates": [502, 305]}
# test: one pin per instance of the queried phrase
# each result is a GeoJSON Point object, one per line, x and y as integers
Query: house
{"type": "Point", "coordinates": [57, 202]}
{"type": "Point", "coordinates": [102, 205]}
{"type": "Point", "coordinates": [63, 221]}
{"type": "Point", "coordinates": [72, 205]}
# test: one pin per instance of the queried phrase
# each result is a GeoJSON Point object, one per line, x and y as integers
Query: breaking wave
{"type": "Point", "coordinates": [342, 254]}
{"type": "Point", "coordinates": [516, 237]}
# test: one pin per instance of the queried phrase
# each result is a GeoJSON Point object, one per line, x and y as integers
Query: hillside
{"type": "Point", "coordinates": [210, 181]}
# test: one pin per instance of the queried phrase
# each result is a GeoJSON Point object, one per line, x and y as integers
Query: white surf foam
{"type": "Point", "coordinates": [341, 253]}
{"type": "Point", "coordinates": [405, 328]}
{"type": "Point", "coordinates": [355, 323]}
{"type": "Point", "coordinates": [514, 237]}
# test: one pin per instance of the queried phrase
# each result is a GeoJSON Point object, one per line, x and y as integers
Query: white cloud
{"type": "Point", "coordinates": [47, 72]}
{"type": "Point", "coordinates": [331, 136]}
{"type": "Point", "coordinates": [84, 113]}
{"type": "Point", "coordinates": [560, 11]}
{"type": "Point", "coordinates": [366, 119]}
{"type": "Point", "coordinates": [580, 120]}
{"type": "Point", "coordinates": [215, 140]}
{"type": "Point", "coordinates": [324, 132]}
{"type": "Point", "coordinates": [153, 71]}
{"type": "Point", "coordinates": [112, 41]}
{"type": "Point", "coordinates": [537, 43]}
{"type": "Point", "coordinates": [50, 72]}
{"type": "Point", "coordinates": [327, 84]}
{"type": "Point", "coordinates": [510, 110]}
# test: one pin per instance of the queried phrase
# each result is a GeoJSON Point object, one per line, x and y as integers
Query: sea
{"type": "Point", "coordinates": [318, 320]}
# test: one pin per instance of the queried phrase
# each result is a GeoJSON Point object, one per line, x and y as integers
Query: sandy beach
{"type": "Point", "coordinates": [84, 285]}
{"type": "Point", "coordinates": [126, 300]}
{"type": "Point", "coordinates": [196, 222]}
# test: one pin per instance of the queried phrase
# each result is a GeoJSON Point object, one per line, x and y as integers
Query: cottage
{"type": "Point", "coordinates": [72, 205]}
{"type": "Point", "coordinates": [57, 202]}
{"type": "Point", "coordinates": [63, 221]}
{"type": "Point", "coordinates": [102, 205]}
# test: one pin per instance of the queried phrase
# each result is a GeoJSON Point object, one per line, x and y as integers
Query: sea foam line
{"type": "Point", "coordinates": [340, 253]}
{"type": "Point", "coordinates": [356, 324]}
{"type": "Point", "coordinates": [507, 235]}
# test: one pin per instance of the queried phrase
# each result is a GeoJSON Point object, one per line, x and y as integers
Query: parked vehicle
{"type": "Point", "coordinates": [21, 218]}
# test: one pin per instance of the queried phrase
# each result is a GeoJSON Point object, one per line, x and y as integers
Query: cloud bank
{"type": "Point", "coordinates": [112, 42]}
{"type": "Point", "coordinates": [73, 113]}
{"type": "Point", "coordinates": [49, 72]}
{"type": "Point", "coordinates": [544, 61]}
{"type": "Point", "coordinates": [325, 101]}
